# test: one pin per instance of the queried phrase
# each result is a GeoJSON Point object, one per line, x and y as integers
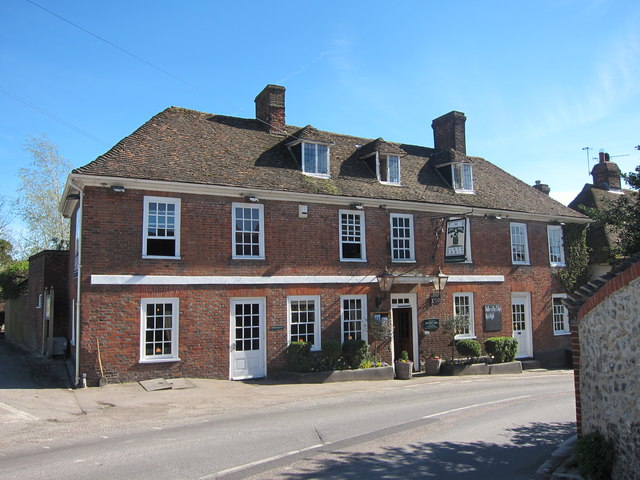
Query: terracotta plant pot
{"type": "Point", "coordinates": [404, 370]}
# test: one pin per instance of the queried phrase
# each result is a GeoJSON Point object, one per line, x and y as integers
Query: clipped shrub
{"type": "Point", "coordinates": [594, 454]}
{"type": "Point", "coordinates": [468, 347]}
{"type": "Point", "coordinates": [299, 356]}
{"type": "Point", "coordinates": [331, 351]}
{"type": "Point", "coordinates": [502, 349]}
{"type": "Point", "coordinates": [354, 353]}
{"type": "Point", "coordinates": [404, 356]}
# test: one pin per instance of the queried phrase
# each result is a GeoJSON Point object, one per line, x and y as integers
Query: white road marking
{"type": "Point", "coordinates": [260, 462]}
{"type": "Point", "coordinates": [475, 405]}
{"type": "Point", "coordinates": [16, 415]}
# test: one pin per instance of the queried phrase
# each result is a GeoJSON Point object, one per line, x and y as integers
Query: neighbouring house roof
{"type": "Point", "coordinates": [599, 238]}
{"type": "Point", "coordinates": [181, 145]}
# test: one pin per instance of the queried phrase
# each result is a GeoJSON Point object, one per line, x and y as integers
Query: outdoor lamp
{"type": "Point", "coordinates": [385, 281]}
{"type": "Point", "coordinates": [439, 281]}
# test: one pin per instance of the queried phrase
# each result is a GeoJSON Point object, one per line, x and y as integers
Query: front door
{"type": "Point", "coordinates": [521, 321]}
{"type": "Point", "coordinates": [247, 357]}
{"type": "Point", "coordinates": [402, 332]}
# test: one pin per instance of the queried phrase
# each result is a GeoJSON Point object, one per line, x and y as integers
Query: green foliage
{"type": "Point", "coordinates": [502, 349]}
{"type": "Point", "coordinates": [5, 252]}
{"type": "Point", "coordinates": [354, 353]}
{"type": "Point", "coordinates": [623, 217]}
{"type": "Point", "coordinates": [577, 257]}
{"type": "Point", "coordinates": [330, 354]}
{"type": "Point", "coordinates": [594, 453]}
{"type": "Point", "coordinates": [468, 347]}
{"type": "Point", "coordinates": [13, 279]}
{"type": "Point", "coordinates": [40, 187]}
{"type": "Point", "coordinates": [454, 326]}
{"type": "Point", "coordinates": [404, 356]}
{"type": "Point", "coordinates": [299, 356]}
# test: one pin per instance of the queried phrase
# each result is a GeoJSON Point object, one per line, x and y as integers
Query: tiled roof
{"type": "Point", "coordinates": [181, 145]}
{"type": "Point", "coordinates": [599, 238]}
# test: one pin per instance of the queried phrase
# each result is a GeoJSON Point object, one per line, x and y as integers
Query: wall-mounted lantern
{"type": "Point", "coordinates": [439, 281]}
{"type": "Point", "coordinates": [385, 281]}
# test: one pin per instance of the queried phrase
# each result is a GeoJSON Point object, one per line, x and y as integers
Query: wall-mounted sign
{"type": "Point", "coordinates": [276, 327]}
{"type": "Point", "coordinates": [431, 324]}
{"type": "Point", "coordinates": [492, 318]}
{"type": "Point", "coordinates": [455, 246]}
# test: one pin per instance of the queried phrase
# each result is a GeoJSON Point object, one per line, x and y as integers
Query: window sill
{"type": "Point", "coordinates": [561, 334]}
{"type": "Point", "coordinates": [159, 360]}
{"type": "Point", "coordinates": [248, 258]}
{"type": "Point", "coordinates": [521, 263]}
{"type": "Point", "coordinates": [465, 337]}
{"type": "Point", "coordinates": [558, 265]}
{"type": "Point", "coordinates": [358, 260]}
{"type": "Point", "coordinates": [157, 257]}
{"type": "Point", "coordinates": [403, 261]}
{"type": "Point", "coordinates": [317, 175]}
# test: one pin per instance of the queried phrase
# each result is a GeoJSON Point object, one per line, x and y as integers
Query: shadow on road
{"type": "Point", "coordinates": [20, 369]}
{"type": "Point", "coordinates": [445, 460]}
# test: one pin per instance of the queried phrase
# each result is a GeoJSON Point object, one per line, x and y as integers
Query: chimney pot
{"type": "Point", "coordinates": [270, 109]}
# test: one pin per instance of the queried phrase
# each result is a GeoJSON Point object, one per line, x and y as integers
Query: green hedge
{"type": "Point", "coordinates": [502, 349]}
{"type": "Point", "coordinates": [354, 353]}
{"type": "Point", "coordinates": [468, 347]}
{"type": "Point", "coordinates": [299, 356]}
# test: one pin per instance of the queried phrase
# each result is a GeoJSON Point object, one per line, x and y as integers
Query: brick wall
{"type": "Point", "coordinates": [112, 244]}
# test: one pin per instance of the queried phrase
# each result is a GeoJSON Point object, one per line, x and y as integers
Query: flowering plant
{"type": "Point", "coordinates": [404, 357]}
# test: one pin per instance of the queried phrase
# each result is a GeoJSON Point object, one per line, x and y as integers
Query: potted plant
{"type": "Point", "coordinates": [404, 366]}
{"type": "Point", "coordinates": [432, 364]}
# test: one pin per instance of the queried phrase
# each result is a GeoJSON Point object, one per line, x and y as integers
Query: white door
{"type": "Point", "coordinates": [247, 347]}
{"type": "Point", "coordinates": [521, 321]}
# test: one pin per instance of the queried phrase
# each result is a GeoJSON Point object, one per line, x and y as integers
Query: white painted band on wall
{"type": "Point", "coordinates": [274, 280]}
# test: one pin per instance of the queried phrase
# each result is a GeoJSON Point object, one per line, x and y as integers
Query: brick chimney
{"type": "Point", "coordinates": [448, 132]}
{"type": "Point", "coordinates": [606, 174]}
{"type": "Point", "coordinates": [270, 109]}
{"type": "Point", "coordinates": [543, 187]}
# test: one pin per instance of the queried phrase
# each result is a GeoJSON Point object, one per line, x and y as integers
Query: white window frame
{"type": "Point", "coordinates": [145, 226]}
{"type": "Point", "coordinates": [384, 174]}
{"type": "Point", "coordinates": [524, 244]}
{"type": "Point", "coordinates": [175, 324]}
{"type": "Point", "coordinates": [555, 241]}
{"type": "Point", "coordinates": [392, 237]}
{"type": "Point", "coordinates": [315, 146]}
{"type": "Point", "coordinates": [464, 183]}
{"type": "Point", "coordinates": [261, 249]}
{"type": "Point", "coordinates": [559, 312]}
{"type": "Point", "coordinates": [317, 320]}
{"type": "Point", "coordinates": [363, 316]}
{"type": "Point", "coordinates": [456, 311]}
{"type": "Point", "coordinates": [342, 233]}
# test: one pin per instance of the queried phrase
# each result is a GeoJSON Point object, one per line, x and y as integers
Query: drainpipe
{"type": "Point", "coordinates": [78, 285]}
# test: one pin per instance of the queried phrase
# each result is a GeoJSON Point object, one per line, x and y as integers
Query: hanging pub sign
{"type": "Point", "coordinates": [455, 247]}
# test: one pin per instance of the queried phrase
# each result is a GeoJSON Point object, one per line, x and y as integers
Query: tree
{"type": "Point", "coordinates": [623, 216]}
{"type": "Point", "coordinates": [5, 252]}
{"type": "Point", "coordinates": [39, 190]}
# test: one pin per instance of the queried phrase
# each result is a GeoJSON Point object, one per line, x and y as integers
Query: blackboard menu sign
{"type": "Point", "coordinates": [431, 324]}
{"type": "Point", "coordinates": [492, 318]}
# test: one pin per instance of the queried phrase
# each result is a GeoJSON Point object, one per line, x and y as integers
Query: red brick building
{"type": "Point", "coordinates": [205, 243]}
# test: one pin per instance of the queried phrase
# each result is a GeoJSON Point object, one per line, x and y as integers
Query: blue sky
{"type": "Point", "coordinates": [538, 81]}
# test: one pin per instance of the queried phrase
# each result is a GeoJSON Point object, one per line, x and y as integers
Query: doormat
{"type": "Point", "coordinates": [166, 384]}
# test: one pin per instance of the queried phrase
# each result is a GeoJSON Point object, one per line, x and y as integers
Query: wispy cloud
{"type": "Point", "coordinates": [612, 81]}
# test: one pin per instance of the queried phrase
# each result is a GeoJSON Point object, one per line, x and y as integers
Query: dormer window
{"type": "Point", "coordinates": [315, 158]}
{"type": "Point", "coordinates": [389, 168]}
{"type": "Point", "coordinates": [459, 175]}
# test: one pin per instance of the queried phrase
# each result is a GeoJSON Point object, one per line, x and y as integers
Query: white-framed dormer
{"type": "Point", "coordinates": [388, 169]}
{"type": "Point", "coordinates": [459, 175]}
{"type": "Point", "coordinates": [313, 157]}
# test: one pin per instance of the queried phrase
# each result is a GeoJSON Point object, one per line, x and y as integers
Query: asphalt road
{"type": "Point", "coordinates": [500, 427]}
